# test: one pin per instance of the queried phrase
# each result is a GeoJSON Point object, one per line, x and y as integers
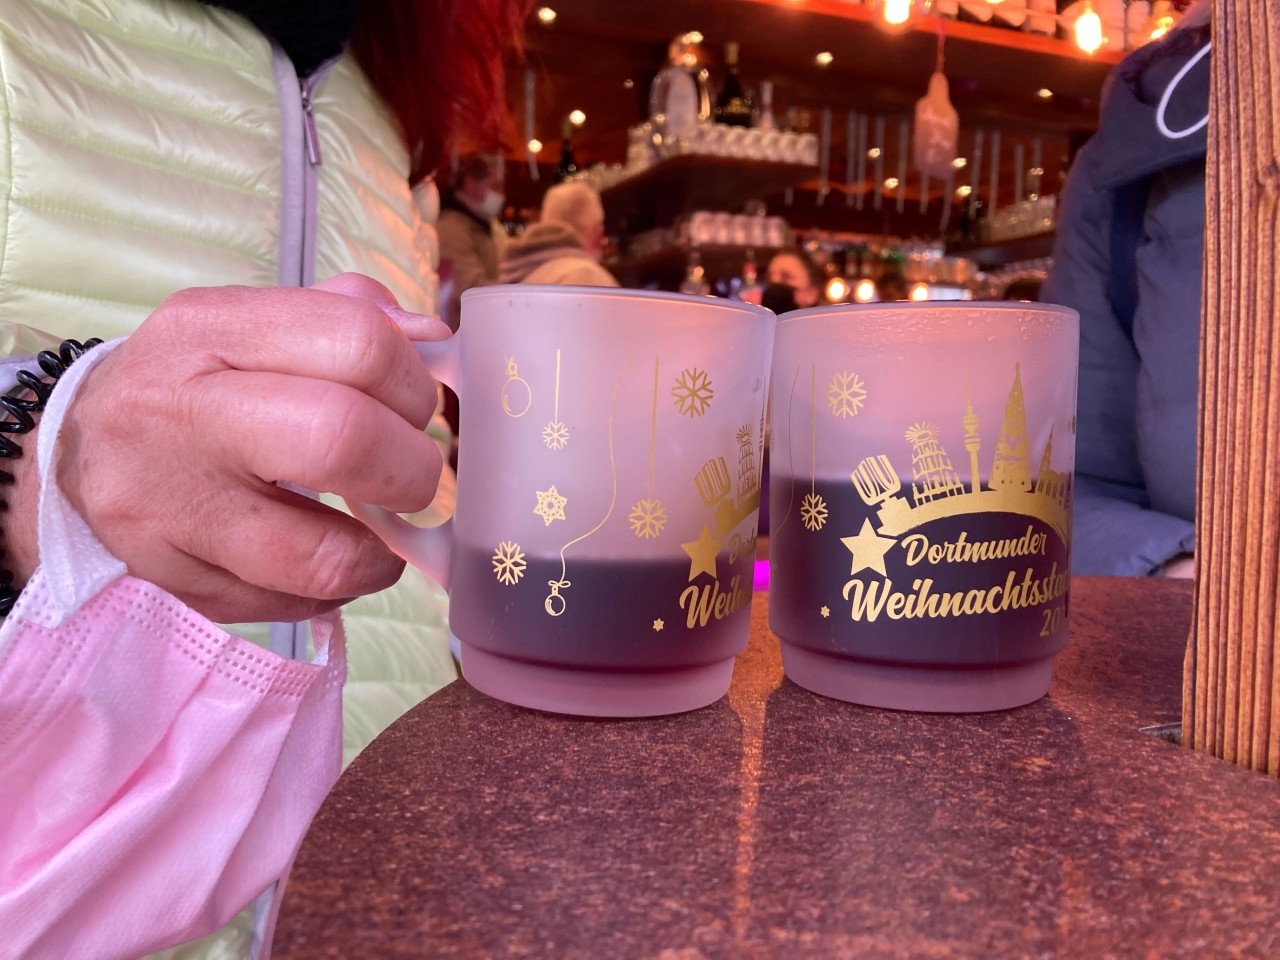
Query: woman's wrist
{"type": "Point", "coordinates": [20, 410]}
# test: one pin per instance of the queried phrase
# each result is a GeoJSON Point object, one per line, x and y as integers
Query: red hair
{"type": "Point", "coordinates": [438, 64]}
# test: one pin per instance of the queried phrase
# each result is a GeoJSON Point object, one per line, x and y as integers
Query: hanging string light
{"type": "Point", "coordinates": [1088, 29]}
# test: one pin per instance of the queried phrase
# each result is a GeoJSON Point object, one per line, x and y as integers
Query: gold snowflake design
{"type": "Point", "coordinates": [550, 505]}
{"type": "Point", "coordinates": [693, 392]}
{"type": "Point", "coordinates": [845, 394]}
{"type": "Point", "coordinates": [648, 518]}
{"type": "Point", "coordinates": [555, 435]}
{"type": "Point", "coordinates": [813, 511]}
{"type": "Point", "coordinates": [508, 562]}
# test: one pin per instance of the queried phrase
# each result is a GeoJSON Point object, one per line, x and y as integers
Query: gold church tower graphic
{"type": "Point", "coordinates": [937, 490]}
{"type": "Point", "coordinates": [1012, 467]}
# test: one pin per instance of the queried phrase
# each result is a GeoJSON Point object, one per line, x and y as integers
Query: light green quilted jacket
{"type": "Point", "coordinates": [152, 145]}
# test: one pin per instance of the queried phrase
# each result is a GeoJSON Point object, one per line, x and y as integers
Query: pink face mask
{"type": "Point", "coordinates": [156, 773]}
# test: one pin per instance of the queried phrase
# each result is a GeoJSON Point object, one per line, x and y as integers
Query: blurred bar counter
{"type": "Point", "coordinates": [777, 823]}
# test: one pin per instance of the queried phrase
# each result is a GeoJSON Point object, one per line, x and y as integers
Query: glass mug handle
{"type": "Point", "coordinates": [427, 548]}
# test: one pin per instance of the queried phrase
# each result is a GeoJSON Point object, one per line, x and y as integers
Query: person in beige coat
{"type": "Point", "coordinates": [563, 247]}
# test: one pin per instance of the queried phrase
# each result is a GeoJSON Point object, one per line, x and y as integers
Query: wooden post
{"type": "Point", "coordinates": [1231, 695]}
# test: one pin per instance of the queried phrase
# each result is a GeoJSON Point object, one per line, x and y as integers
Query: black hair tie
{"type": "Point", "coordinates": [19, 418]}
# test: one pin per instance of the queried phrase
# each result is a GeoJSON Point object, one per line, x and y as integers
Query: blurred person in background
{"type": "Point", "coordinates": [471, 235]}
{"type": "Point", "coordinates": [1129, 257]}
{"type": "Point", "coordinates": [564, 246]}
{"type": "Point", "coordinates": [791, 282]}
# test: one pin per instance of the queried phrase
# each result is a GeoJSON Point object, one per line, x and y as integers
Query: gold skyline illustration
{"type": "Point", "coordinates": [936, 488]}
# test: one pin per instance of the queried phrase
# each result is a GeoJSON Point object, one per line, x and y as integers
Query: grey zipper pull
{"type": "Point", "coordinates": [309, 124]}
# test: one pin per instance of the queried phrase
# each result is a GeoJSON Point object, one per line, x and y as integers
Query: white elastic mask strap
{"type": "Point", "coordinates": [1168, 94]}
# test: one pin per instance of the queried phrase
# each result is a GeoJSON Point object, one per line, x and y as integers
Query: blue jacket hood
{"type": "Point", "coordinates": [1131, 143]}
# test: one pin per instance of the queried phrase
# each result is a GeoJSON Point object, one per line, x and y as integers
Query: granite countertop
{"type": "Point", "coordinates": [778, 823]}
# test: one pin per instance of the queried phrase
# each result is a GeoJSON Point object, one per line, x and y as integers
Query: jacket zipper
{"type": "Point", "coordinates": [300, 159]}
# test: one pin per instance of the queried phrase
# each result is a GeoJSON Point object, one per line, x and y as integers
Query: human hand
{"type": "Point", "coordinates": [174, 445]}
{"type": "Point", "coordinates": [1181, 567]}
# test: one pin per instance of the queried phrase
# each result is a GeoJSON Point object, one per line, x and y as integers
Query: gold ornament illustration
{"type": "Point", "coordinates": [702, 553]}
{"type": "Point", "coordinates": [693, 392]}
{"type": "Point", "coordinates": [649, 517]}
{"type": "Point", "coordinates": [813, 511]}
{"type": "Point", "coordinates": [825, 611]}
{"type": "Point", "coordinates": [554, 604]}
{"type": "Point", "coordinates": [508, 562]}
{"type": "Point", "coordinates": [550, 505]}
{"type": "Point", "coordinates": [658, 625]}
{"type": "Point", "coordinates": [845, 394]}
{"type": "Point", "coordinates": [555, 434]}
{"type": "Point", "coordinates": [516, 395]}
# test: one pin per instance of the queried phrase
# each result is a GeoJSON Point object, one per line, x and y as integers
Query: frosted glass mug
{"type": "Point", "coordinates": [600, 558]}
{"type": "Point", "coordinates": [920, 501]}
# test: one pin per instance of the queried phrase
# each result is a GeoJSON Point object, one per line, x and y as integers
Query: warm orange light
{"type": "Point", "coordinates": [837, 290]}
{"type": "Point", "coordinates": [897, 12]}
{"type": "Point", "coordinates": [1088, 29]}
{"type": "Point", "coordinates": [1161, 20]}
{"type": "Point", "coordinates": [864, 291]}
{"type": "Point", "coordinates": [920, 292]}
{"type": "Point", "coordinates": [546, 15]}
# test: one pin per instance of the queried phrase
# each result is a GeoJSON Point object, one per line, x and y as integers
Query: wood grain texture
{"type": "Point", "coordinates": [1231, 696]}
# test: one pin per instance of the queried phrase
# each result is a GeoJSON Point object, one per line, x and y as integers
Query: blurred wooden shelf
{"type": "Point", "coordinates": [1002, 252]}
{"type": "Point", "coordinates": [665, 268]}
{"type": "Point", "coordinates": [702, 182]}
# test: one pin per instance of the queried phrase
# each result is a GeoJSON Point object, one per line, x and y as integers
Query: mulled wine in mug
{"type": "Point", "coordinates": [600, 558]}
{"type": "Point", "coordinates": [920, 501]}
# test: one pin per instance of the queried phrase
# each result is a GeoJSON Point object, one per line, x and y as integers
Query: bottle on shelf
{"type": "Point", "coordinates": [733, 103]}
{"type": "Point", "coordinates": [695, 277]}
{"type": "Point", "coordinates": [749, 288]}
{"type": "Point", "coordinates": [764, 116]}
{"type": "Point", "coordinates": [567, 166]}
{"type": "Point", "coordinates": [679, 98]}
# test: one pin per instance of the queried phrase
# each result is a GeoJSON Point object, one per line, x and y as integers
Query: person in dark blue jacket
{"type": "Point", "coordinates": [1129, 257]}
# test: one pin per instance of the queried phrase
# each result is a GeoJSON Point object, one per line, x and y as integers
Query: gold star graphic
{"type": "Point", "coordinates": [825, 611]}
{"type": "Point", "coordinates": [658, 624]}
{"type": "Point", "coordinates": [703, 553]}
{"type": "Point", "coordinates": [868, 549]}
{"type": "Point", "coordinates": [550, 505]}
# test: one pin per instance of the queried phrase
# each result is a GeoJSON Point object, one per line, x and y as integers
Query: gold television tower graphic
{"type": "Point", "coordinates": [1012, 467]}
{"type": "Point", "coordinates": [972, 441]}
{"type": "Point", "coordinates": [934, 477]}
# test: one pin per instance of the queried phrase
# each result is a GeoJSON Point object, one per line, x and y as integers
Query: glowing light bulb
{"type": "Point", "coordinates": [823, 59]}
{"type": "Point", "coordinates": [897, 12]}
{"type": "Point", "coordinates": [891, 183]}
{"type": "Point", "coordinates": [960, 163]}
{"type": "Point", "coordinates": [837, 290]}
{"type": "Point", "coordinates": [1088, 29]}
{"type": "Point", "coordinates": [921, 290]}
{"type": "Point", "coordinates": [577, 118]}
{"type": "Point", "coordinates": [546, 15]}
{"type": "Point", "coordinates": [535, 145]}
{"type": "Point", "coordinates": [865, 291]}
{"type": "Point", "coordinates": [1161, 20]}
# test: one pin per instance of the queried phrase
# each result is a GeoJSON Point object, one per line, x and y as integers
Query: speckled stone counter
{"type": "Point", "coordinates": [777, 823]}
